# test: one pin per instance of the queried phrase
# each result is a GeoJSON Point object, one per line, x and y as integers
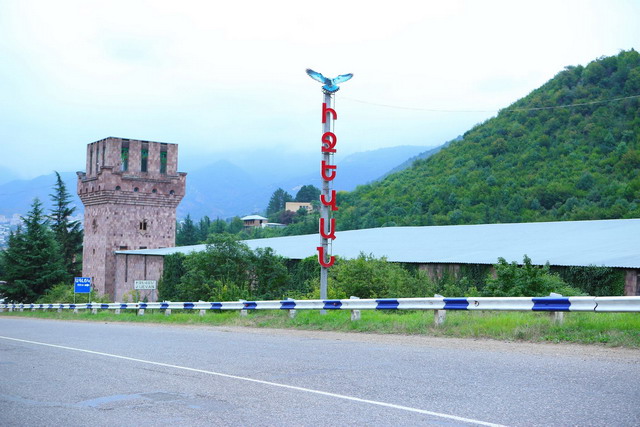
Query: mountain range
{"type": "Point", "coordinates": [224, 189]}
{"type": "Point", "coordinates": [570, 150]}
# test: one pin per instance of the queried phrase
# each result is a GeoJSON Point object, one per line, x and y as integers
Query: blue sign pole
{"type": "Point", "coordinates": [81, 285]}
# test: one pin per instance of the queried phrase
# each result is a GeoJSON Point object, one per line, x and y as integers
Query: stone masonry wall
{"type": "Point", "coordinates": [126, 209]}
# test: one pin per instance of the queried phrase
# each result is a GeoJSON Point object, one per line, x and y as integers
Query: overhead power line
{"type": "Point", "coordinates": [438, 110]}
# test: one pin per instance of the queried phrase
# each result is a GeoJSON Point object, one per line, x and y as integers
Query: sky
{"type": "Point", "coordinates": [226, 79]}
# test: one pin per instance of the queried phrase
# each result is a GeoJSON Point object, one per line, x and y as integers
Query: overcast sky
{"type": "Point", "coordinates": [219, 77]}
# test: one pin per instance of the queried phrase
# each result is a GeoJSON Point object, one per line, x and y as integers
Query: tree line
{"type": "Point", "coordinates": [228, 270]}
{"type": "Point", "coordinates": [45, 250]}
{"type": "Point", "coordinates": [190, 232]}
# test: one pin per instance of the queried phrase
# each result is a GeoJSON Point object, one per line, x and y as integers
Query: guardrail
{"type": "Point", "coordinates": [551, 303]}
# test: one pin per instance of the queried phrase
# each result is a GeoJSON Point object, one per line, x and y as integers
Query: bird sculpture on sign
{"type": "Point", "coordinates": [329, 85]}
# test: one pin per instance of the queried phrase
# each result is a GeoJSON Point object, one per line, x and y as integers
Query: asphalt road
{"type": "Point", "coordinates": [86, 373]}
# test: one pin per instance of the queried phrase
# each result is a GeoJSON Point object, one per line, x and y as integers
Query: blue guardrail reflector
{"type": "Point", "coordinates": [551, 304]}
{"type": "Point", "coordinates": [287, 305]}
{"type": "Point", "coordinates": [250, 305]}
{"type": "Point", "coordinates": [332, 304]}
{"type": "Point", "coordinates": [455, 304]}
{"type": "Point", "coordinates": [387, 304]}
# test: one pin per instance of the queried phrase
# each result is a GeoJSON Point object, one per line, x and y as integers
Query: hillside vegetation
{"type": "Point", "coordinates": [570, 150]}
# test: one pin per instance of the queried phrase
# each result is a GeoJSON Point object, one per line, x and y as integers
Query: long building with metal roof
{"type": "Point", "coordinates": [603, 243]}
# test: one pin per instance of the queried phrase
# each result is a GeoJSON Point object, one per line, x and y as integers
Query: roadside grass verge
{"type": "Point", "coordinates": [611, 329]}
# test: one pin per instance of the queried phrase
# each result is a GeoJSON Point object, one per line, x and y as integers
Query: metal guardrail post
{"type": "Point", "coordinates": [292, 312]}
{"type": "Point", "coordinates": [439, 316]}
{"type": "Point", "coordinates": [243, 312]}
{"type": "Point", "coordinates": [355, 314]}
{"type": "Point", "coordinates": [557, 317]}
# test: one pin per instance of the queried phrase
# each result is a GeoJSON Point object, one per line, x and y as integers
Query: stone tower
{"type": "Point", "coordinates": [130, 192]}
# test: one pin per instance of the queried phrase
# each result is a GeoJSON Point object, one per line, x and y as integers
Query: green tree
{"type": "Point", "coordinates": [221, 271]}
{"type": "Point", "coordinates": [67, 232]}
{"type": "Point", "coordinates": [218, 226]}
{"type": "Point", "coordinates": [32, 262]}
{"type": "Point", "coordinates": [236, 225]}
{"type": "Point", "coordinates": [270, 275]}
{"type": "Point", "coordinates": [278, 200]}
{"type": "Point", "coordinates": [172, 273]}
{"type": "Point", "coordinates": [369, 277]}
{"type": "Point", "coordinates": [186, 232]}
{"type": "Point", "coordinates": [308, 193]}
{"type": "Point", "coordinates": [203, 228]}
{"type": "Point", "coordinates": [513, 280]}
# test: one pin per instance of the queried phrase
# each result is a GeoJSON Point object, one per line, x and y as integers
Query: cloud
{"type": "Point", "coordinates": [210, 75]}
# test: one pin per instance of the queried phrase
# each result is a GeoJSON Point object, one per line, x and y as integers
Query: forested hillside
{"type": "Point", "coordinates": [570, 150]}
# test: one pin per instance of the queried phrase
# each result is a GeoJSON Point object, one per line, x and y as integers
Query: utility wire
{"type": "Point", "coordinates": [434, 110]}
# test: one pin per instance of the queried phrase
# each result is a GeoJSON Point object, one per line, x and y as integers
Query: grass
{"type": "Point", "coordinates": [611, 329]}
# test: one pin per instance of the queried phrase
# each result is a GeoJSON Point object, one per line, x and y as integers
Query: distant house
{"type": "Point", "coordinates": [295, 206]}
{"type": "Point", "coordinates": [254, 221]}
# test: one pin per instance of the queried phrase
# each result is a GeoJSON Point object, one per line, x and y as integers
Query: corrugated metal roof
{"type": "Point", "coordinates": [610, 243]}
{"type": "Point", "coordinates": [253, 217]}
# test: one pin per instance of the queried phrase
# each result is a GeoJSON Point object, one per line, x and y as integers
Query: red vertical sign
{"type": "Point", "coordinates": [328, 173]}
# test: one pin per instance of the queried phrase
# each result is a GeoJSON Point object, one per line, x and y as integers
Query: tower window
{"type": "Point", "coordinates": [144, 157]}
{"type": "Point", "coordinates": [163, 160]}
{"type": "Point", "coordinates": [117, 188]}
{"type": "Point", "coordinates": [124, 156]}
{"type": "Point", "coordinates": [143, 225]}
{"type": "Point", "coordinates": [135, 189]}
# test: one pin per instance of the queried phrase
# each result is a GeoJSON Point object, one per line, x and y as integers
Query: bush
{"type": "Point", "coordinates": [513, 280]}
{"type": "Point", "coordinates": [596, 281]}
{"type": "Point", "coordinates": [62, 293]}
{"type": "Point", "coordinates": [171, 275]}
{"type": "Point", "coordinates": [369, 277]}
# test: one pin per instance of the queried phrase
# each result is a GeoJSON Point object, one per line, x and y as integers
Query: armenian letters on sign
{"type": "Point", "coordinates": [327, 198]}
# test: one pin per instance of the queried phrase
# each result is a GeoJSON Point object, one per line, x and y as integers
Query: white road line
{"type": "Point", "coordinates": [253, 380]}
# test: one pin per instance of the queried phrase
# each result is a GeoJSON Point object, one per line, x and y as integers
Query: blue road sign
{"type": "Point", "coordinates": [82, 285]}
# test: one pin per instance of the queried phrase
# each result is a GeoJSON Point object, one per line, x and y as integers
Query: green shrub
{"type": "Point", "coordinates": [513, 280]}
{"type": "Point", "coordinates": [62, 293]}
{"type": "Point", "coordinates": [596, 281]}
